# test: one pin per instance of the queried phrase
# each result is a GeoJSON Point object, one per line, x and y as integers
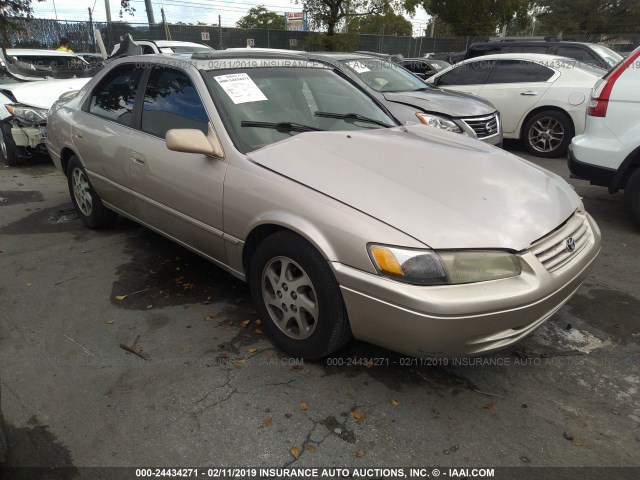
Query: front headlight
{"type": "Point", "coordinates": [28, 114]}
{"type": "Point", "coordinates": [443, 267]}
{"type": "Point", "coordinates": [438, 122]}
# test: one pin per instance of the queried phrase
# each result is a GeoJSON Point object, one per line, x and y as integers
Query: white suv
{"type": "Point", "coordinates": [608, 153]}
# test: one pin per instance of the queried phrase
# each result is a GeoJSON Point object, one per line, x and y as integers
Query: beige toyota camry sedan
{"type": "Point", "coordinates": [344, 223]}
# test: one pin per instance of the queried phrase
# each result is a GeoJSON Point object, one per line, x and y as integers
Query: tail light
{"type": "Point", "coordinates": [602, 91]}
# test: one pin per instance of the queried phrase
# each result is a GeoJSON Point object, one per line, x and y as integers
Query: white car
{"type": "Point", "coordinates": [30, 81]}
{"type": "Point", "coordinates": [608, 153]}
{"type": "Point", "coordinates": [542, 99]}
{"type": "Point", "coordinates": [168, 46]}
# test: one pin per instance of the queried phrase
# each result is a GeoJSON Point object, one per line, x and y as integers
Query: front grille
{"type": "Point", "coordinates": [484, 126]}
{"type": "Point", "coordinates": [552, 249]}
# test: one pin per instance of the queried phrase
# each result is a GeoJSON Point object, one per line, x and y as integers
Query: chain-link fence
{"type": "Point", "coordinates": [46, 33]}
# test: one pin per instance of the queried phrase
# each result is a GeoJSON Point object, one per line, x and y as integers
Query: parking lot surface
{"type": "Point", "coordinates": [206, 387]}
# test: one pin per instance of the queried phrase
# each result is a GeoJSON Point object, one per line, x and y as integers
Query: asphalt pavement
{"type": "Point", "coordinates": [205, 387]}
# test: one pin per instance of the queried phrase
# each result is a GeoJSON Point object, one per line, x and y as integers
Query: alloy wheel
{"type": "Point", "coordinates": [546, 135]}
{"type": "Point", "coordinates": [82, 191]}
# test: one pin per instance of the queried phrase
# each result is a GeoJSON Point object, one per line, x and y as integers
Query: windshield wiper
{"type": "Point", "coordinates": [283, 126]}
{"type": "Point", "coordinates": [352, 116]}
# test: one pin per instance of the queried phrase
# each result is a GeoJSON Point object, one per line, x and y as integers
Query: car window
{"type": "Point", "coordinates": [519, 71]}
{"type": "Point", "coordinates": [114, 96]}
{"type": "Point", "coordinates": [49, 62]}
{"type": "Point", "coordinates": [610, 57]}
{"type": "Point", "coordinates": [471, 73]}
{"type": "Point", "coordinates": [529, 49]}
{"type": "Point", "coordinates": [171, 101]}
{"type": "Point", "coordinates": [293, 94]}
{"type": "Point", "coordinates": [384, 76]}
{"type": "Point", "coordinates": [580, 54]}
{"type": "Point", "coordinates": [147, 50]}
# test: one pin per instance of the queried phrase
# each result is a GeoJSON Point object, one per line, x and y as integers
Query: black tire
{"type": "Point", "coordinates": [632, 197]}
{"type": "Point", "coordinates": [86, 201]}
{"type": "Point", "coordinates": [331, 330]}
{"type": "Point", "coordinates": [560, 122]}
{"type": "Point", "coordinates": [8, 148]}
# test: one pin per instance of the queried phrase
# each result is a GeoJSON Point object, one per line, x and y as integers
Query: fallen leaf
{"type": "Point", "coordinates": [209, 317]}
{"type": "Point", "coordinates": [310, 447]}
{"type": "Point", "coordinates": [120, 297]}
{"type": "Point", "coordinates": [359, 453]}
{"type": "Point", "coordinates": [267, 422]}
{"type": "Point", "coordinates": [295, 452]}
{"type": "Point", "coordinates": [109, 322]}
{"type": "Point", "coordinates": [245, 324]}
{"type": "Point", "coordinates": [303, 406]}
{"type": "Point", "coordinates": [578, 443]}
{"type": "Point", "coordinates": [252, 350]}
{"type": "Point", "coordinates": [488, 406]}
{"type": "Point", "coordinates": [257, 330]}
{"type": "Point", "coordinates": [258, 321]}
{"type": "Point", "coordinates": [297, 367]}
{"type": "Point", "coordinates": [395, 403]}
{"type": "Point", "coordinates": [359, 417]}
{"type": "Point", "coordinates": [271, 353]}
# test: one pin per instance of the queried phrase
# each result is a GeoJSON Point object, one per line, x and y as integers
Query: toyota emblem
{"type": "Point", "coordinates": [570, 243]}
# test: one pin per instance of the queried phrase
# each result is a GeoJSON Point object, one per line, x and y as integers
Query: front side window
{"type": "Point", "coordinates": [610, 57]}
{"type": "Point", "coordinates": [519, 71]}
{"type": "Point", "coordinates": [384, 76]}
{"type": "Point", "coordinates": [471, 73]}
{"type": "Point", "coordinates": [171, 101]}
{"type": "Point", "coordinates": [114, 96]}
{"type": "Point", "coordinates": [261, 106]}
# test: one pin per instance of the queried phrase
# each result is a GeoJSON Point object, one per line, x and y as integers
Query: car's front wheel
{"type": "Point", "coordinates": [297, 297]}
{"type": "Point", "coordinates": [548, 134]}
{"type": "Point", "coordinates": [85, 199]}
{"type": "Point", "coordinates": [8, 147]}
{"type": "Point", "coordinates": [632, 197]}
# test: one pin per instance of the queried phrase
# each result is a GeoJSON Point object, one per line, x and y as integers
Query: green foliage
{"type": "Point", "coordinates": [475, 17]}
{"type": "Point", "coordinates": [329, 13]}
{"type": "Point", "coordinates": [321, 42]}
{"type": "Point", "coordinates": [10, 9]}
{"type": "Point", "coordinates": [390, 23]}
{"type": "Point", "coordinates": [258, 17]}
{"type": "Point", "coordinates": [587, 16]}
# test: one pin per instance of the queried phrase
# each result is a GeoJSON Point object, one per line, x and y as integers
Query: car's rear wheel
{"type": "Point", "coordinates": [632, 197]}
{"type": "Point", "coordinates": [548, 134]}
{"type": "Point", "coordinates": [85, 199]}
{"type": "Point", "coordinates": [8, 148]}
{"type": "Point", "coordinates": [297, 297]}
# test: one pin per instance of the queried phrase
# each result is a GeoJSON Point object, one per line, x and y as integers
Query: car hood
{"type": "Point", "coordinates": [454, 104]}
{"type": "Point", "coordinates": [441, 188]}
{"type": "Point", "coordinates": [43, 93]}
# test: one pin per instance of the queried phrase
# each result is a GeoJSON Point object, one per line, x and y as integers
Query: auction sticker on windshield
{"type": "Point", "coordinates": [240, 88]}
{"type": "Point", "coordinates": [358, 67]}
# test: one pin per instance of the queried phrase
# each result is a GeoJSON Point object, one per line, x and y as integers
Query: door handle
{"type": "Point", "coordinates": [529, 93]}
{"type": "Point", "coordinates": [137, 158]}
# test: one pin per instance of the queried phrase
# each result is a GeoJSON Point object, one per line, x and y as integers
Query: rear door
{"type": "Point", "coordinates": [101, 132]}
{"type": "Point", "coordinates": [468, 77]}
{"type": "Point", "coordinates": [515, 87]}
{"type": "Point", "coordinates": [179, 194]}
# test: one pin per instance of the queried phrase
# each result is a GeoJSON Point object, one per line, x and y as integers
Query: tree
{"type": "Point", "coordinates": [587, 16]}
{"type": "Point", "coordinates": [258, 17]}
{"type": "Point", "coordinates": [329, 13]}
{"type": "Point", "coordinates": [477, 17]}
{"type": "Point", "coordinates": [10, 9]}
{"type": "Point", "coordinates": [390, 22]}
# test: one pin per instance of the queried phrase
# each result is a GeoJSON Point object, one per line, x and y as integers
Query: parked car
{"type": "Point", "coordinates": [343, 222]}
{"type": "Point", "coordinates": [542, 99]}
{"type": "Point", "coordinates": [410, 99]}
{"type": "Point", "coordinates": [608, 153]}
{"type": "Point", "coordinates": [30, 81]}
{"type": "Point", "coordinates": [424, 67]}
{"type": "Point", "coordinates": [588, 53]}
{"type": "Point", "coordinates": [168, 46]}
{"type": "Point", "coordinates": [449, 57]}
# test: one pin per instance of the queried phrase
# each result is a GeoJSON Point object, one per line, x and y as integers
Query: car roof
{"type": "Point", "coordinates": [341, 55]}
{"type": "Point", "coordinates": [541, 57]}
{"type": "Point", "coordinates": [530, 42]}
{"type": "Point", "coordinates": [37, 52]}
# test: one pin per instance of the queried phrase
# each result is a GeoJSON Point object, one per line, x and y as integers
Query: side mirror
{"type": "Point", "coordinates": [190, 140]}
{"type": "Point", "coordinates": [68, 95]}
{"type": "Point", "coordinates": [432, 81]}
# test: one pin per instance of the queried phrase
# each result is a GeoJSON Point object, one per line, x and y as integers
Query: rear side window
{"type": "Point", "coordinates": [579, 54]}
{"type": "Point", "coordinates": [519, 71]}
{"type": "Point", "coordinates": [114, 96]}
{"type": "Point", "coordinates": [171, 101]}
{"type": "Point", "coordinates": [472, 73]}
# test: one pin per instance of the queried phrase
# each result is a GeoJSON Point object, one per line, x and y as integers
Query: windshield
{"type": "Point", "coordinates": [279, 95]}
{"type": "Point", "coordinates": [384, 76]}
{"type": "Point", "coordinates": [612, 58]}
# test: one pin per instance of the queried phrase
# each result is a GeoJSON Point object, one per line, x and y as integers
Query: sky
{"type": "Point", "coordinates": [188, 11]}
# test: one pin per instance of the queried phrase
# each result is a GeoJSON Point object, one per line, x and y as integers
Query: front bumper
{"type": "Point", "coordinates": [455, 320]}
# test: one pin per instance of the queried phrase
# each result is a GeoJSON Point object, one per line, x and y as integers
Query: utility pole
{"type": "Point", "coordinates": [167, 33]}
{"type": "Point", "coordinates": [433, 25]}
{"type": "Point", "coordinates": [219, 32]}
{"type": "Point", "coordinates": [107, 9]}
{"type": "Point", "coordinates": [93, 38]}
{"type": "Point", "coordinates": [149, 7]}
